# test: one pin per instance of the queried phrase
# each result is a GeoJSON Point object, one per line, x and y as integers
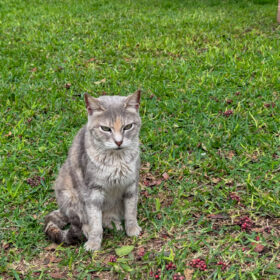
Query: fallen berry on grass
{"type": "Point", "coordinates": [228, 113]}
{"type": "Point", "coordinates": [178, 277]}
{"type": "Point", "coordinates": [235, 197]}
{"type": "Point", "coordinates": [140, 253]}
{"type": "Point", "coordinates": [245, 249]}
{"type": "Point", "coordinates": [267, 105]}
{"type": "Point", "coordinates": [156, 274]}
{"type": "Point", "coordinates": [112, 259]}
{"type": "Point", "coordinates": [267, 229]}
{"type": "Point", "coordinates": [223, 265]}
{"type": "Point", "coordinates": [198, 263]}
{"type": "Point", "coordinates": [170, 266]}
{"type": "Point", "coordinates": [35, 181]}
{"type": "Point", "coordinates": [245, 223]}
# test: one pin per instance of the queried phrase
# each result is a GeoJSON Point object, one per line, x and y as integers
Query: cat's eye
{"type": "Point", "coordinates": [106, 128]}
{"type": "Point", "coordinates": [127, 127]}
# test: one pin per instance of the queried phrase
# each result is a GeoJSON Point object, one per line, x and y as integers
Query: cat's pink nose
{"type": "Point", "coordinates": [118, 143]}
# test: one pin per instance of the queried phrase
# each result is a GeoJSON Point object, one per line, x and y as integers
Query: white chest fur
{"type": "Point", "coordinates": [120, 174]}
{"type": "Point", "coordinates": [115, 175]}
{"type": "Point", "coordinates": [115, 169]}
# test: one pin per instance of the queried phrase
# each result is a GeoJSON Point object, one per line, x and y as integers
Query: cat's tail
{"type": "Point", "coordinates": [54, 224]}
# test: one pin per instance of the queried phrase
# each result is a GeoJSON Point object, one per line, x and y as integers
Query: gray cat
{"type": "Point", "coordinates": [98, 183]}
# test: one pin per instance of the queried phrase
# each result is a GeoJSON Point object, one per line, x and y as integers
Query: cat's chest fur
{"type": "Point", "coordinates": [113, 172]}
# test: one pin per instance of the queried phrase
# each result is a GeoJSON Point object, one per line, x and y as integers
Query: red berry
{"type": "Point", "coordinates": [170, 266]}
{"type": "Point", "coordinates": [267, 229]}
{"type": "Point", "coordinates": [197, 263]}
{"type": "Point", "coordinates": [228, 113]}
{"type": "Point", "coordinates": [113, 259]}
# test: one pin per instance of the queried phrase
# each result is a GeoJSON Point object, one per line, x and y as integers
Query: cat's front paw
{"type": "Point", "coordinates": [133, 230]}
{"type": "Point", "coordinates": [92, 245]}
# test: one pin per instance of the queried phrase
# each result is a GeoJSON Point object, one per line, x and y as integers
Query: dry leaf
{"type": "Point", "coordinates": [57, 275]}
{"type": "Point", "coordinates": [217, 216]}
{"type": "Point", "coordinates": [165, 176]}
{"type": "Point", "coordinates": [150, 180]}
{"type": "Point", "coordinates": [159, 216]}
{"type": "Point", "coordinates": [5, 246]}
{"type": "Point", "coordinates": [151, 183]}
{"type": "Point", "coordinates": [215, 180]}
{"type": "Point", "coordinates": [54, 259]}
{"type": "Point", "coordinates": [188, 273]}
{"type": "Point", "coordinates": [67, 85]}
{"type": "Point", "coordinates": [257, 229]}
{"type": "Point", "coordinates": [230, 155]}
{"type": "Point", "coordinates": [51, 247]}
{"type": "Point", "coordinates": [100, 82]}
{"type": "Point", "coordinates": [202, 146]}
{"type": "Point", "coordinates": [146, 166]}
{"type": "Point", "coordinates": [9, 134]}
{"type": "Point", "coordinates": [259, 247]}
{"type": "Point", "coordinates": [46, 261]}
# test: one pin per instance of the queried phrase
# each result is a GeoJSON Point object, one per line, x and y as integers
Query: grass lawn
{"type": "Point", "coordinates": [210, 75]}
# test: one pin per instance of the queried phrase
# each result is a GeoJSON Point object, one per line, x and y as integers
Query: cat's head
{"type": "Point", "coordinates": [113, 121]}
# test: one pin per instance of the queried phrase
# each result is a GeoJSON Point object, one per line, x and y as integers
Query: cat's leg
{"type": "Point", "coordinates": [54, 224]}
{"type": "Point", "coordinates": [73, 235]}
{"type": "Point", "coordinates": [130, 211]}
{"type": "Point", "coordinates": [93, 229]}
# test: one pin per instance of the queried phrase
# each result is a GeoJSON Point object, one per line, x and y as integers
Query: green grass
{"type": "Point", "coordinates": [194, 60]}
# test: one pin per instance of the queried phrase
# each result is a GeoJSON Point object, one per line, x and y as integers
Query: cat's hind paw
{"type": "Point", "coordinates": [133, 230]}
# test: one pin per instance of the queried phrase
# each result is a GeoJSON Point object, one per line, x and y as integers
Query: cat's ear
{"type": "Point", "coordinates": [92, 104]}
{"type": "Point", "coordinates": [133, 100]}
